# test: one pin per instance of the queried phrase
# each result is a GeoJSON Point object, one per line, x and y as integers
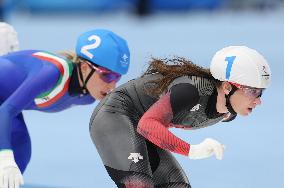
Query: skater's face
{"type": "Point", "coordinates": [101, 82]}
{"type": "Point", "coordinates": [245, 99]}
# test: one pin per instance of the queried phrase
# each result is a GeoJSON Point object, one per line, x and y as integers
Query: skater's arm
{"type": "Point", "coordinates": [35, 83]}
{"type": "Point", "coordinates": [155, 122]}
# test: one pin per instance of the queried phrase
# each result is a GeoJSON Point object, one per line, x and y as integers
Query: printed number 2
{"type": "Point", "coordinates": [84, 49]}
{"type": "Point", "coordinates": [230, 60]}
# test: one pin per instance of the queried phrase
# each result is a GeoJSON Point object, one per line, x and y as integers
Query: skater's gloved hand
{"type": "Point", "coordinates": [10, 175]}
{"type": "Point", "coordinates": [206, 149]}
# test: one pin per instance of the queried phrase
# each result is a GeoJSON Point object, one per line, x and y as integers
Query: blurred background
{"type": "Point", "coordinates": [63, 153]}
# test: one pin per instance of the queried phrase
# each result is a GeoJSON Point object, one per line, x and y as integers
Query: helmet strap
{"type": "Point", "coordinates": [228, 102]}
{"type": "Point", "coordinates": [84, 88]}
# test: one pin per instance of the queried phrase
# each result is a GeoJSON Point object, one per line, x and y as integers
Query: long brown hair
{"type": "Point", "coordinates": [172, 68]}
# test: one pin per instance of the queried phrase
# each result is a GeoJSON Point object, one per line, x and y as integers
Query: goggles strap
{"type": "Point", "coordinates": [228, 102]}
{"type": "Point", "coordinates": [74, 86]}
{"type": "Point", "coordinates": [84, 88]}
{"type": "Point", "coordinates": [88, 78]}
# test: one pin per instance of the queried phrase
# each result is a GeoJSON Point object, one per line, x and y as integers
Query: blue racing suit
{"type": "Point", "coordinates": [32, 80]}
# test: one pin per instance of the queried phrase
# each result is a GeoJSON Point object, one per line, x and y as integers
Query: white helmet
{"type": "Point", "coordinates": [9, 40]}
{"type": "Point", "coordinates": [241, 65]}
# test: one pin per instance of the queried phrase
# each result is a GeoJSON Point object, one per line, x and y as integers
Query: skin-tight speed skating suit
{"type": "Point", "coordinates": [130, 129]}
{"type": "Point", "coordinates": [33, 80]}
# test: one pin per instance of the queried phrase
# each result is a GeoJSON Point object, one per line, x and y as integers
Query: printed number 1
{"type": "Point", "coordinates": [84, 49]}
{"type": "Point", "coordinates": [230, 60]}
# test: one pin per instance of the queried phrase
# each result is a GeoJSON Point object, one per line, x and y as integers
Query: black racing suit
{"type": "Point", "coordinates": [130, 129]}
